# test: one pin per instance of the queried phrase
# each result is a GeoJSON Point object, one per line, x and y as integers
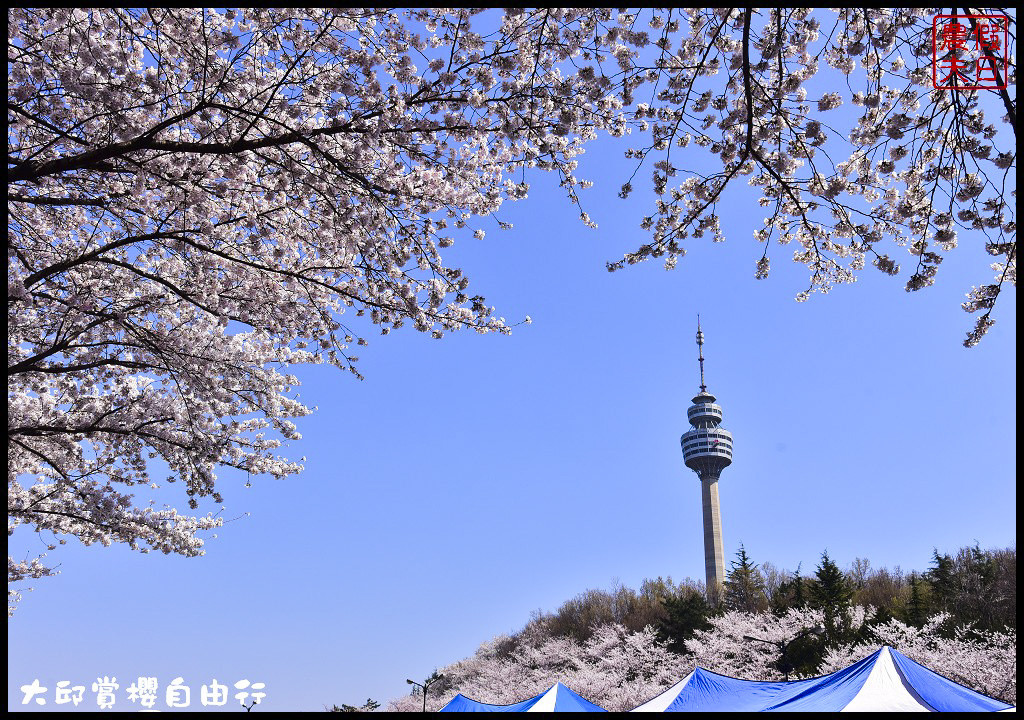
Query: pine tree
{"type": "Point", "coordinates": [744, 588]}
{"type": "Point", "coordinates": [967, 586]}
{"type": "Point", "coordinates": [799, 596]}
{"type": "Point", "coordinates": [942, 579]}
{"type": "Point", "coordinates": [832, 594]}
{"type": "Point", "coordinates": [917, 606]}
{"type": "Point", "coordinates": [790, 594]}
{"type": "Point", "coordinates": [686, 613]}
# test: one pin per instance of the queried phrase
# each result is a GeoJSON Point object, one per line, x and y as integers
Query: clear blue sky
{"type": "Point", "coordinates": [469, 481]}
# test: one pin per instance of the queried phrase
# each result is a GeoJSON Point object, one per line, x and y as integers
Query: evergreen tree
{"type": "Point", "coordinates": [917, 605]}
{"type": "Point", "coordinates": [790, 594]}
{"type": "Point", "coordinates": [976, 586]}
{"type": "Point", "coordinates": [799, 594]}
{"type": "Point", "coordinates": [369, 706]}
{"type": "Point", "coordinates": [980, 576]}
{"type": "Point", "coordinates": [941, 578]}
{"type": "Point", "coordinates": [686, 613]}
{"type": "Point", "coordinates": [832, 594]}
{"type": "Point", "coordinates": [744, 588]}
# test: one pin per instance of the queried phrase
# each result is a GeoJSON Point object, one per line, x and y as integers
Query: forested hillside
{"type": "Point", "coordinates": [620, 647]}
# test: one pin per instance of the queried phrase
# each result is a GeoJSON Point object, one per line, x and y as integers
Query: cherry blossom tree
{"type": "Point", "coordinates": [760, 90]}
{"type": "Point", "coordinates": [985, 661]}
{"type": "Point", "coordinates": [619, 670]}
{"type": "Point", "coordinates": [724, 649]}
{"type": "Point", "coordinates": [982, 660]}
{"type": "Point", "coordinates": [614, 668]}
{"type": "Point", "coordinates": [198, 199]}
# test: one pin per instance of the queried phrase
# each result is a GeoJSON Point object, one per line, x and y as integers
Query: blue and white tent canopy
{"type": "Point", "coordinates": [557, 698]}
{"type": "Point", "coordinates": [885, 681]}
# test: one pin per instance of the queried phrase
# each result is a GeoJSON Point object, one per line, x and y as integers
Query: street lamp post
{"type": "Point", "coordinates": [426, 684]}
{"type": "Point", "coordinates": [784, 645]}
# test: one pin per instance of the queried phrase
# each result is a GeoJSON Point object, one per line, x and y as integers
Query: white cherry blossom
{"type": "Point", "coordinates": [200, 198]}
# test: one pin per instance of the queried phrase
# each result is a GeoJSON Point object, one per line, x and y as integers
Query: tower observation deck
{"type": "Point", "coordinates": [707, 450]}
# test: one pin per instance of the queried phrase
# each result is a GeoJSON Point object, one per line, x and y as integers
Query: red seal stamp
{"type": "Point", "coordinates": [969, 51]}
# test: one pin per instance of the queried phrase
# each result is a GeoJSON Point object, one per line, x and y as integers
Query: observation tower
{"type": "Point", "coordinates": [707, 450]}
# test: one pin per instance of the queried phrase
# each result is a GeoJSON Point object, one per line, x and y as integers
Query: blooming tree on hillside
{"type": "Point", "coordinates": [724, 648]}
{"type": "Point", "coordinates": [982, 661]}
{"type": "Point", "coordinates": [614, 668]}
{"type": "Point", "coordinates": [619, 670]}
{"type": "Point", "coordinates": [985, 661]}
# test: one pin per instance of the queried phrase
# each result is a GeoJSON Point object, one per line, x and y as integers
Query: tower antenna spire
{"type": "Point", "coordinates": [700, 354]}
{"type": "Point", "coordinates": [707, 450]}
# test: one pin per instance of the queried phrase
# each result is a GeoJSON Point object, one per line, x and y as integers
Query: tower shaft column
{"type": "Point", "coordinates": [714, 553]}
